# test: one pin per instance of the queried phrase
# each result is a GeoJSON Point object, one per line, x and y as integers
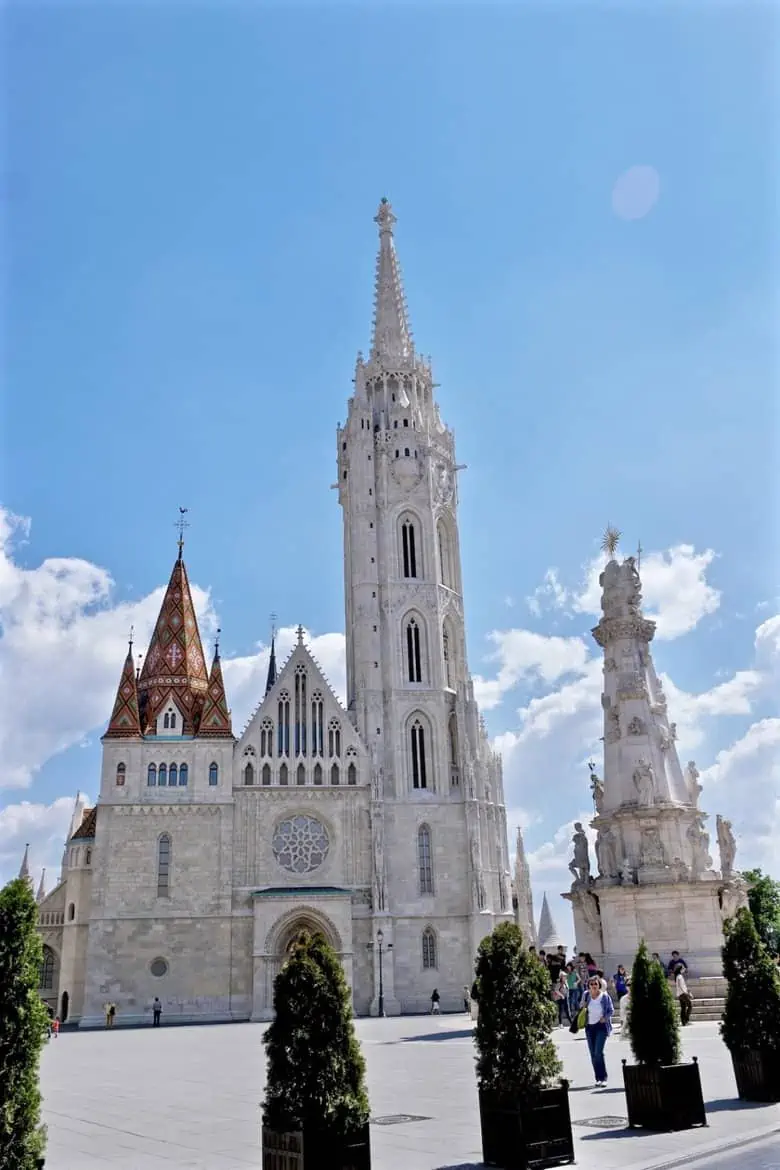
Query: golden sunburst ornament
{"type": "Point", "coordinates": [610, 541]}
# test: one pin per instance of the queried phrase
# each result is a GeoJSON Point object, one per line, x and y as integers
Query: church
{"type": "Point", "coordinates": [381, 825]}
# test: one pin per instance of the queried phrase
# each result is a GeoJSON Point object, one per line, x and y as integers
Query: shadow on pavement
{"type": "Point", "coordinates": [730, 1104]}
{"type": "Point", "coordinates": [464, 1166]}
{"type": "Point", "coordinates": [459, 1035]}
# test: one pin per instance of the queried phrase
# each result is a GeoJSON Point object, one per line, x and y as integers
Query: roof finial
{"type": "Point", "coordinates": [392, 337]}
{"type": "Point", "coordinates": [138, 668]}
{"type": "Point", "coordinates": [610, 541]}
{"type": "Point", "coordinates": [299, 632]}
{"type": "Point", "coordinates": [181, 524]}
{"type": "Point", "coordinates": [216, 642]}
{"type": "Point", "coordinates": [130, 647]}
{"type": "Point", "coordinates": [384, 216]}
{"type": "Point", "coordinates": [271, 679]}
{"type": "Point", "coordinates": [639, 551]}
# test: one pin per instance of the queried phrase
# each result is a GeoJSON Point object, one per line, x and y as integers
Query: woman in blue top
{"type": "Point", "coordinates": [598, 1026]}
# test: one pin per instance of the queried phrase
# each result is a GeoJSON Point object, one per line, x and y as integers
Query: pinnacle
{"type": "Point", "coordinates": [392, 340]}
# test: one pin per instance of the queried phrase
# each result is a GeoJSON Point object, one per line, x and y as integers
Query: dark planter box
{"type": "Point", "coordinates": [757, 1074]}
{"type": "Point", "coordinates": [313, 1151]}
{"type": "Point", "coordinates": [664, 1096]}
{"type": "Point", "coordinates": [526, 1134]}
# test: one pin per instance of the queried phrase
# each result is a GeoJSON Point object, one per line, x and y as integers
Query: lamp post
{"type": "Point", "coordinates": [380, 938]}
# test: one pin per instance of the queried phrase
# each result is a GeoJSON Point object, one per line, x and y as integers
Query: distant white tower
{"type": "Point", "coordinates": [549, 938]}
{"type": "Point", "coordinates": [523, 895]}
{"type": "Point", "coordinates": [440, 849]}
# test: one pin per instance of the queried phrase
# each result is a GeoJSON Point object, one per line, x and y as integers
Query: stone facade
{"type": "Point", "coordinates": [654, 877]}
{"type": "Point", "coordinates": [209, 852]}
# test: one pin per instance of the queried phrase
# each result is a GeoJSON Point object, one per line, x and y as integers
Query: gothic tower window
{"type": "Point", "coordinates": [249, 775]}
{"type": "Point", "coordinates": [452, 743]}
{"type": "Point", "coordinates": [445, 554]}
{"type": "Point", "coordinates": [163, 866]}
{"type": "Point", "coordinates": [162, 776]}
{"type": "Point", "coordinates": [316, 724]}
{"type": "Point", "coordinates": [445, 647]}
{"type": "Point", "coordinates": [151, 776]}
{"type": "Point", "coordinates": [46, 977]}
{"type": "Point", "coordinates": [334, 774]}
{"type": "Point", "coordinates": [318, 774]}
{"type": "Point", "coordinates": [501, 891]}
{"type": "Point", "coordinates": [429, 949]}
{"type": "Point", "coordinates": [424, 863]}
{"type": "Point", "coordinates": [184, 775]}
{"type": "Point", "coordinates": [267, 738]}
{"type": "Point", "coordinates": [352, 774]}
{"type": "Point", "coordinates": [173, 776]}
{"type": "Point", "coordinates": [300, 776]}
{"type": "Point", "coordinates": [300, 711]}
{"type": "Point", "coordinates": [418, 760]}
{"type": "Point", "coordinates": [213, 775]}
{"type": "Point", "coordinates": [334, 738]}
{"type": "Point", "coordinates": [284, 724]}
{"type": "Point", "coordinates": [266, 775]}
{"type": "Point", "coordinates": [283, 774]}
{"type": "Point", "coordinates": [413, 651]}
{"type": "Point", "coordinates": [121, 771]}
{"type": "Point", "coordinates": [410, 550]}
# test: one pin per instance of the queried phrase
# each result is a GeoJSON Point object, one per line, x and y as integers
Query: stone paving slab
{"type": "Point", "coordinates": [170, 1098]}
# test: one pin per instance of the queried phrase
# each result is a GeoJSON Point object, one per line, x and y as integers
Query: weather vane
{"type": "Point", "coordinates": [610, 541]}
{"type": "Point", "coordinates": [216, 642]}
{"type": "Point", "coordinates": [132, 631]}
{"type": "Point", "coordinates": [181, 524]}
{"type": "Point", "coordinates": [273, 626]}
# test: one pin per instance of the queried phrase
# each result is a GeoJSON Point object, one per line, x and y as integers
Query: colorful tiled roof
{"type": "Point", "coordinates": [125, 720]}
{"type": "Point", "coordinates": [86, 830]}
{"type": "Point", "coordinates": [174, 667]}
{"type": "Point", "coordinates": [215, 719]}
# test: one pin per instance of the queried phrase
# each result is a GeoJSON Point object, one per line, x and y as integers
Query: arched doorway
{"type": "Point", "coordinates": [280, 928]}
{"type": "Point", "coordinates": [64, 1005]}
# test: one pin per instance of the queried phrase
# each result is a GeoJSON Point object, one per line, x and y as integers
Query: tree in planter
{"type": "Point", "coordinates": [751, 1020]}
{"type": "Point", "coordinates": [23, 1029]}
{"type": "Point", "coordinates": [655, 1027]}
{"type": "Point", "coordinates": [316, 1072]}
{"type": "Point", "coordinates": [764, 902]}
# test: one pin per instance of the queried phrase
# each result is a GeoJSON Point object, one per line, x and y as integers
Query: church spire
{"type": "Point", "coordinates": [174, 666]}
{"type": "Point", "coordinates": [392, 340]}
{"type": "Point", "coordinates": [549, 939]}
{"type": "Point", "coordinates": [41, 887]}
{"type": "Point", "coordinates": [271, 679]}
{"type": "Point", "coordinates": [215, 719]}
{"type": "Point", "coordinates": [24, 869]}
{"type": "Point", "coordinates": [523, 893]}
{"type": "Point", "coordinates": [125, 721]}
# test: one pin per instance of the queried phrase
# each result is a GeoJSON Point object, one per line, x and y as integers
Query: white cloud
{"type": "Point", "coordinates": [744, 785]}
{"type": "Point", "coordinates": [550, 594]}
{"type": "Point", "coordinates": [44, 827]}
{"type": "Point", "coordinates": [525, 654]}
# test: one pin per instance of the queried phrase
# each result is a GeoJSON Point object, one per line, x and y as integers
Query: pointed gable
{"type": "Point", "coordinates": [125, 720]}
{"type": "Point", "coordinates": [174, 664]}
{"type": "Point", "coordinates": [215, 719]}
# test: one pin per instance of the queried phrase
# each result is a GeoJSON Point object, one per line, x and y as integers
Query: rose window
{"type": "Point", "coordinates": [300, 844]}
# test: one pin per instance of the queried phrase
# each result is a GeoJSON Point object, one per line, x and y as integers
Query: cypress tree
{"type": "Point", "coordinates": [316, 1071]}
{"type": "Point", "coordinates": [655, 1026]}
{"type": "Point", "coordinates": [23, 1029]}
{"type": "Point", "coordinates": [751, 1019]}
{"type": "Point", "coordinates": [515, 1051]}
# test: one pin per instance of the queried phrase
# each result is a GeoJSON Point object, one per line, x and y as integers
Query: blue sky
{"type": "Point", "coordinates": [187, 202]}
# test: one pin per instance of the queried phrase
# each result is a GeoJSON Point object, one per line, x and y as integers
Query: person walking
{"type": "Point", "coordinates": [466, 1001]}
{"type": "Point", "coordinates": [55, 1027]}
{"type": "Point", "coordinates": [561, 997]}
{"type": "Point", "coordinates": [107, 1010]}
{"type": "Point", "coordinates": [573, 989]}
{"type": "Point", "coordinates": [683, 995]}
{"type": "Point", "coordinates": [111, 1014]}
{"type": "Point", "coordinates": [620, 979]}
{"type": "Point", "coordinates": [435, 998]}
{"type": "Point", "coordinates": [598, 1027]}
{"type": "Point", "coordinates": [156, 1012]}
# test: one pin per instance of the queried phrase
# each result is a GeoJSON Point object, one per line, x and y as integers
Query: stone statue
{"type": "Point", "coordinates": [636, 726]}
{"type": "Point", "coordinates": [699, 841]}
{"type": "Point", "coordinates": [579, 865]}
{"type": "Point", "coordinates": [644, 783]}
{"type": "Point", "coordinates": [727, 846]}
{"type": "Point", "coordinates": [591, 914]}
{"type": "Point", "coordinates": [607, 853]}
{"type": "Point", "coordinates": [652, 848]}
{"type": "Point", "coordinates": [597, 789]}
{"type": "Point", "coordinates": [692, 783]}
{"type": "Point", "coordinates": [626, 872]}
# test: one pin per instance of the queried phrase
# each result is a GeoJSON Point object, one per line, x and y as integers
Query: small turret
{"type": "Point", "coordinates": [549, 938]}
{"type": "Point", "coordinates": [125, 721]}
{"type": "Point", "coordinates": [24, 869]}
{"type": "Point", "coordinates": [215, 720]}
{"type": "Point", "coordinates": [271, 679]}
{"type": "Point", "coordinates": [41, 887]}
{"type": "Point", "coordinates": [392, 337]}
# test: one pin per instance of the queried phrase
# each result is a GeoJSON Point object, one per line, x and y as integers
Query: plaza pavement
{"type": "Point", "coordinates": [189, 1097]}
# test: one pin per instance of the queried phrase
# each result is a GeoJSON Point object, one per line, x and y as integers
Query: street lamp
{"type": "Point", "coordinates": [380, 938]}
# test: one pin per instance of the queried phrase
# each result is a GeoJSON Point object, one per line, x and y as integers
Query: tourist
{"type": "Point", "coordinates": [581, 965]}
{"type": "Point", "coordinates": [111, 1014]}
{"type": "Point", "coordinates": [620, 979]}
{"type": "Point", "coordinates": [435, 998]}
{"type": "Point", "coordinates": [466, 1001]}
{"type": "Point", "coordinates": [573, 988]}
{"type": "Point", "coordinates": [675, 962]}
{"type": "Point", "coordinates": [156, 1012]}
{"type": "Point", "coordinates": [682, 993]}
{"type": "Point", "coordinates": [625, 1013]}
{"type": "Point", "coordinates": [55, 1027]}
{"type": "Point", "coordinates": [107, 1010]}
{"type": "Point", "coordinates": [560, 994]}
{"type": "Point", "coordinates": [542, 956]}
{"type": "Point", "coordinates": [598, 1026]}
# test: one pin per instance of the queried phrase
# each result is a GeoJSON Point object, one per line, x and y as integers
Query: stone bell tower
{"type": "Point", "coordinates": [655, 878]}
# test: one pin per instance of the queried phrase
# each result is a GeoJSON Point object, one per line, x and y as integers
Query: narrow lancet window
{"type": "Point", "coordinates": [429, 949]}
{"type": "Point", "coordinates": [424, 863]}
{"type": "Point", "coordinates": [163, 866]}
{"type": "Point", "coordinates": [419, 763]}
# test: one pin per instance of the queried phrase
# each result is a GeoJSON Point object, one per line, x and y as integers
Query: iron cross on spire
{"type": "Point", "coordinates": [639, 551]}
{"type": "Point", "coordinates": [181, 524]}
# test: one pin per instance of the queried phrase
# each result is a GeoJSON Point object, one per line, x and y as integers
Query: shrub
{"type": "Point", "coordinates": [655, 1025]}
{"type": "Point", "coordinates": [764, 902]}
{"type": "Point", "coordinates": [23, 1029]}
{"type": "Point", "coordinates": [515, 1053]}
{"type": "Point", "coordinates": [316, 1072]}
{"type": "Point", "coordinates": [751, 1019]}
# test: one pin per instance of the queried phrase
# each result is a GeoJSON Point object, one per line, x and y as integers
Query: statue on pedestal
{"type": "Point", "coordinates": [579, 865]}
{"type": "Point", "coordinates": [692, 783]}
{"type": "Point", "coordinates": [596, 788]}
{"type": "Point", "coordinates": [699, 841]}
{"type": "Point", "coordinates": [727, 846]}
{"type": "Point", "coordinates": [644, 782]}
{"type": "Point", "coordinates": [607, 853]}
{"type": "Point", "coordinates": [652, 848]}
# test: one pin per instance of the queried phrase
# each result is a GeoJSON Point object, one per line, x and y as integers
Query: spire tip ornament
{"type": "Point", "coordinates": [610, 540]}
{"type": "Point", "coordinates": [181, 524]}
